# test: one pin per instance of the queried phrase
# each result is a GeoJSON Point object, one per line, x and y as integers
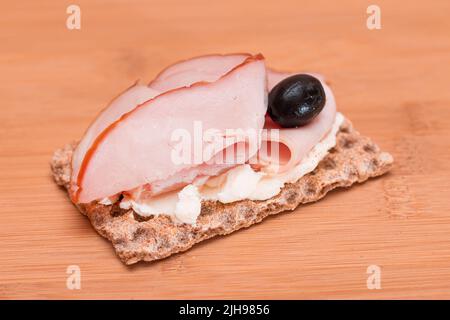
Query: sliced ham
{"type": "Point", "coordinates": [109, 158]}
{"type": "Point", "coordinates": [283, 149]}
{"type": "Point", "coordinates": [125, 102]}
{"type": "Point", "coordinates": [207, 68]}
{"type": "Point", "coordinates": [135, 150]}
{"type": "Point", "coordinates": [196, 175]}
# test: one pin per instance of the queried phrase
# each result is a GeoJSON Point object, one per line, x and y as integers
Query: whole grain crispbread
{"type": "Point", "coordinates": [355, 158]}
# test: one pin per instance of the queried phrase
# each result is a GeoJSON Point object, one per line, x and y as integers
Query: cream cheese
{"type": "Point", "coordinates": [109, 200]}
{"type": "Point", "coordinates": [239, 183]}
{"type": "Point", "coordinates": [189, 204]}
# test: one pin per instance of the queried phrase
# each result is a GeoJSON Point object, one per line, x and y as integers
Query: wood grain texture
{"type": "Point", "coordinates": [392, 83]}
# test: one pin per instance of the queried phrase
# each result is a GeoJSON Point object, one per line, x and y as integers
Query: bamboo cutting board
{"type": "Point", "coordinates": [392, 83]}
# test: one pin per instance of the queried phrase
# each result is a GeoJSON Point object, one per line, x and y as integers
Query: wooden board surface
{"type": "Point", "coordinates": [392, 83]}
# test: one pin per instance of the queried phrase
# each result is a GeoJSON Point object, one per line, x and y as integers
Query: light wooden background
{"type": "Point", "coordinates": [393, 83]}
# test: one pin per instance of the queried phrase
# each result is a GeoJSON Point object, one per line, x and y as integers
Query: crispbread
{"type": "Point", "coordinates": [355, 158]}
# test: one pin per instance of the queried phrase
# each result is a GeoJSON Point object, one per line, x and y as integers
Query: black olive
{"type": "Point", "coordinates": [296, 100]}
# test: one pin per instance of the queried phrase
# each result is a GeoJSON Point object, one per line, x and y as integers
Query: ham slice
{"type": "Point", "coordinates": [285, 148]}
{"type": "Point", "coordinates": [135, 150]}
{"type": "Point", "coordinates": [125, 102]}
{"type": "Point", "coordinates": [207, 68]}
{"type": "Point", "coordinates": [202, 73]}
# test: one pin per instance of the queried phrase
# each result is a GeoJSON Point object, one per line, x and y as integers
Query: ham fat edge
{"type": "Point", "coordinates": [197, 79]}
